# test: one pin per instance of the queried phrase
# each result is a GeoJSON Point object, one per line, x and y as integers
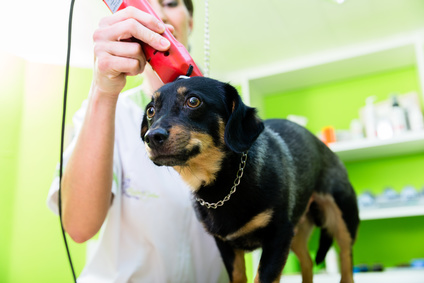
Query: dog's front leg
{"type": "Point", "coordinates": [233, 260]}
{"type": "Point", "coordinates": [275, 251]}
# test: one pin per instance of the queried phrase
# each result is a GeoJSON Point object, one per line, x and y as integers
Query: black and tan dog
{"type": "Point", "coordinates": [255, 183]}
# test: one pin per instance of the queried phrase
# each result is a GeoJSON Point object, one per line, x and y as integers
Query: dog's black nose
{"type": "Point", "coordinates": [156, 137]}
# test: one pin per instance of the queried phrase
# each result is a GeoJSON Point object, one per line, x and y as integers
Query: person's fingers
{"type": "Point", "coordinates": [115, 66]}
{"type": "Point", "coordinates": [170, 27]}
{"type": "Point", "coordinates": [132, 22]}
{"type": "Point", "coordinates": [120, 57]}
{"type": "Point", "coordinates": [130, 12]}
{"type": "Point", "coordinates": [122, 49]}
{"type": "Point", "coordinates": [129, 28]}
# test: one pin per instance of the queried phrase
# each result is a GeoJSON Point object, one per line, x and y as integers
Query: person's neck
{"type": "Point", "coordinates": [151, 81]}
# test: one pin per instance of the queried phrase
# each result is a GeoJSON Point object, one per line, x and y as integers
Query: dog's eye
{"type": "Point", "coordinates": [150, 112]}
{"type": "Point", "coordinates": [193, 102]}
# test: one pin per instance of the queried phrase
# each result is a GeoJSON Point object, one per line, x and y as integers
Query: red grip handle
{"type": "Point", "coordinates": [171, 64]}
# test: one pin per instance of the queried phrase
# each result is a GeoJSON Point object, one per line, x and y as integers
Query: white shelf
{"type": "Point", "coordinates": [391, 212]}
{"type": "Point", "coordinates": [408, 143]}
{"type": "Point", "coordinates": [334, 65]}
{"type": "Point", "coordinates": [392, 276]}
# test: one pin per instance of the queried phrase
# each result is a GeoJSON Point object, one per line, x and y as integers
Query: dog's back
{"type": "Point", "coordinates": [316, 166]}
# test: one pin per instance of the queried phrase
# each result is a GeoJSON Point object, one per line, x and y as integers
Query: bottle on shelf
{"type": "Point", "coordinates": [398, 117]}
{"type": "Point", "coordinates": [369, 118]}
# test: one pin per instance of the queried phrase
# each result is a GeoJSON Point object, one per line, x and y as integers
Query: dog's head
{"type": "Point", "coordinates": [198, 116]}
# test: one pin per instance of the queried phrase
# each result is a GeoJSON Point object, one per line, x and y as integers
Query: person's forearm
{"type": "Point", "coordinates": [87, 179]}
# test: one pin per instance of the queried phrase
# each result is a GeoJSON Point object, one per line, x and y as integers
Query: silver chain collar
{"type": "Point", "coordinates": [233, 189]}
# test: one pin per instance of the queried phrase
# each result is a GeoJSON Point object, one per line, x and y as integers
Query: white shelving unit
{"type": "Point", "coordinates": [391, 212]}
{"type": "Point", "coordinates": [390, 276]}
{"type": "Point", "coordinates": [407, 275]}
{"type": "Point", "coordinates": [335, 65]}
{"type": "Point", "coordinates": [408, 143]}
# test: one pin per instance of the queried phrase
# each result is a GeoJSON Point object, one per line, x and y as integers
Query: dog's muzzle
{"type": "Point", "coordinates": [163, 150]}
{"type": "Point", "coordinates": [156, 137]}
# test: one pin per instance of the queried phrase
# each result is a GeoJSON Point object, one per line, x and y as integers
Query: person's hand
{"type": "Point", "coordinates": [116, 56]}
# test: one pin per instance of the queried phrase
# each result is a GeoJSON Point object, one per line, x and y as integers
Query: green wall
{"type": "Point", "coordinates": [10, 117]}
{"type": "Point", "coordinates": [388, 241]}
{"type": "Point", "coordinates": [31, 97]}
{"type": "Point", "coordinates": [31, 248]}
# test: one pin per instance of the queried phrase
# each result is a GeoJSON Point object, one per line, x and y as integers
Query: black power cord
{"type": "Point", "coordinates": [62, 137]}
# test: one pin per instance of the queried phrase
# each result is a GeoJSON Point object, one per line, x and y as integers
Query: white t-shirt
{"type": "Point", "coordinates": [151, 233]}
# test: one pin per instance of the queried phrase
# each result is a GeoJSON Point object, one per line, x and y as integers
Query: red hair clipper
{"type": "Point", "coordinates": [171, 64]}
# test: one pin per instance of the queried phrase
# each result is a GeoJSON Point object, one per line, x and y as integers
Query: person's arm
{"type": "Point", "coordinates": [87, 178]}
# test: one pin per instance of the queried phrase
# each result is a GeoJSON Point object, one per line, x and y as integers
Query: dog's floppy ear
{"type": "Point", "coordinates": [243, 126]}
